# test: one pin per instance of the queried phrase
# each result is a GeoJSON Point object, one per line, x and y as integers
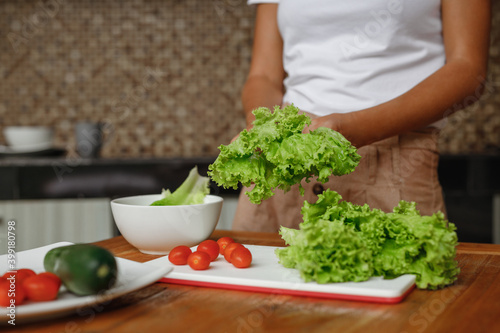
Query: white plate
{"type": "Point", "coordinates": [131, 276]}
{"type": "Point", "coordinates": [267, 275]}
{"type": "Point", "coordinates": [27, 149]}
{"type": "Point", "coordinates": [51, 151]}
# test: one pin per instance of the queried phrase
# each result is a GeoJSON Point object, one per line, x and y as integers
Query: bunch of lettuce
{"type": "Point", "coordinates": [192, 191]}
{"type": "Point", "coordinates": [339, 241]}
{"type": "Point", "coordinates": [275, 153]}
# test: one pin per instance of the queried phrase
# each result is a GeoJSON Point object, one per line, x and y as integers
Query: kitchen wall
{"type": "Point", "coordinates": [165, 74]}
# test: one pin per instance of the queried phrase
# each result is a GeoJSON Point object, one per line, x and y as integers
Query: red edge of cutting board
{"type": "Point", "coordinates": [362, 298]}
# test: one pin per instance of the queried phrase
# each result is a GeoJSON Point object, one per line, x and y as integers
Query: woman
{"type": "Point", "coordinates": [384, 73]}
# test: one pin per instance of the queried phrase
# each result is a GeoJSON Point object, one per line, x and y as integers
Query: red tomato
{"type": "Point", "coordinates": [179, 255]}
{"type": "Point", "coordinates": [53, 277]}
{"type": "Point", "coordinates": [241, 257]}
{"type": "Point", "coordinates": [20, 274]}
{"type": "Point", "coordinates": [10, 290]}
{"type": "Point", "coordinates": [41, 288]}
{"type": "Point", "coordinates": [210, 247]}
{"type": "Point", "coordinates": [223, 242]}
{"type": "Point", "coordinates": [229, 249]}
{"type": "Point", "coordinates": [199, 260]}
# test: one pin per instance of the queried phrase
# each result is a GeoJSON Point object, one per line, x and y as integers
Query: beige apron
{"type": "Point", "coordinates": [403, 167]}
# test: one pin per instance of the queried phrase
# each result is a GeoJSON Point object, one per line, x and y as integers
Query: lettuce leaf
{"type": "Point", "coordinates": [275, 153]}
{"type": "Point", "coordinates": [339, 241]}
{"type": "Point", "coordinates": [192, 191]}
{"type": "Point", "coordinates": [327, 252]}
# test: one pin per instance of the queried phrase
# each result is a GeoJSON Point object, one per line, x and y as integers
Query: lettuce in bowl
{"type": "Point", "coordinates": [192, 191]}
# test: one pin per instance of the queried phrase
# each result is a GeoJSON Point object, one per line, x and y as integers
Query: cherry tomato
{"type": "Point", "coordinates": [223, 242]}
{"type": "Point", "coordinates": [179, 255]}
{"type": "Point", "coordinates": [199, 260]}
{"type": "Point", "coordinates": [20, 274]}
{"type": "Point", "coordinates": [53, 277]}
{"type": "Point", "coordinates": [41, 288]}
{"type": "Point", "coordinates": [210, 247]}
{"type": "Point", "coordinates": [229, 249]}
{"type": "Point", "coordinates": [241, 257]}
{"type": "Point", "coordinates": [11, 290]}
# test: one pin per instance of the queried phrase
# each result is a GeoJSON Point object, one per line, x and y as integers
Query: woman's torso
{"type": "Point", "coordinates": [343, 56]}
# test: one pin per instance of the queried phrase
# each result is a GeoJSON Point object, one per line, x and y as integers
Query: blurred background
{"type": "Point", "coordinates": [165, 76]}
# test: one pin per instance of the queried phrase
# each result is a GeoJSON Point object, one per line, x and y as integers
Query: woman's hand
{"type": "Point", "coordinates": [331, 121]}
{"type": "Point", "coordinates": [340, 122]}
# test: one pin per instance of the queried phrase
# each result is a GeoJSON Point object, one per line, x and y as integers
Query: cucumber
{"type": "Point", "coordinates": [84, 269]}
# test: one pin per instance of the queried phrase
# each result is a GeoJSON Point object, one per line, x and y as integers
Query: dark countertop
{"type": "Point", "coordinates": [65, 177]}
{"type": "Point", "coordinates": [79, 161]}
{"type": "Point", "coordinates": [59, 177]}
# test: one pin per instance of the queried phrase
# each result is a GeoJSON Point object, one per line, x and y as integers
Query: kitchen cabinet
{"type": "Point", "coordinates": [471, 185]}
{"type": "Point", "coordinates": [42, 222]}
{"type": "Point", "coordinates": [228, 211]}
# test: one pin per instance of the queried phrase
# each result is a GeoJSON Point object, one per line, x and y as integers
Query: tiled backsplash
{"type": "Point", "coordinates": [165, 74]}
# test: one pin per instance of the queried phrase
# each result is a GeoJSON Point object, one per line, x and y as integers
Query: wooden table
{"type": "Point", "coordinates": [472, 304]}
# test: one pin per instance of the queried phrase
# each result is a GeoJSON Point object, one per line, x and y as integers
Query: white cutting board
{"type": "Point", "coordinates": [267, 275]}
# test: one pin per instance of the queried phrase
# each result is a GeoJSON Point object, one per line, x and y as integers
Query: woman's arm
{"type": "Point", "coordinates": [264, 85]}
{"type": "Point", "coordinates": [466, 27]}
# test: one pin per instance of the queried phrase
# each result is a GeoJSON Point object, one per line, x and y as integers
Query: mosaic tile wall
{"type": "Point", "coordinates": [166, 74]}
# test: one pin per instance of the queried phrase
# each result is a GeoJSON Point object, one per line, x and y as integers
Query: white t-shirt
{"type": "Point", "coordinates": [343, 56]}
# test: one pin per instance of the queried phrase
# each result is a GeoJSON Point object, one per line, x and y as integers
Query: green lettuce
{"type": "Point", "coordinates": [192, 191]}
{"type": "Point", "coordinates": [275, 153]}
{"type": "Point", "coordinates": [339, 241]}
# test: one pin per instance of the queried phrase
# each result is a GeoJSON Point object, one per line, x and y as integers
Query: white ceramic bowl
{"type": "Point", "coordinates": [28, 137]}
{"type": "Point", "coordinates": [158, 229]}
